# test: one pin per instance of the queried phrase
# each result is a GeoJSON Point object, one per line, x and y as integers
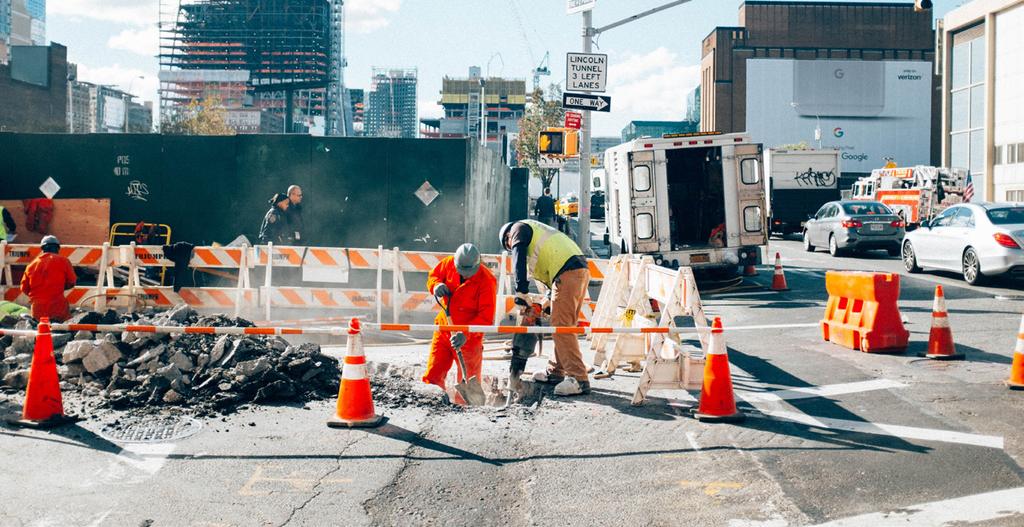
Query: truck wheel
{"type": "Point", "coordinates": [807, 243]}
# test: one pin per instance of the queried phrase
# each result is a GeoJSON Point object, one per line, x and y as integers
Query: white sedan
{"type": "Point", "coordinates": [978, 240]}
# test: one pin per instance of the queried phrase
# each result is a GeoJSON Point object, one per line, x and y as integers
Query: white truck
{"type": "Point", "coordinates": [688, 200]}
{"type": "Point", "coordinates": [799, 182]}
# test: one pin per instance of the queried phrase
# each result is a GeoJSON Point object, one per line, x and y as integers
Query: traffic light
{"type": "Point", "coordinates": [551, 142]}
{"type": "Point", "coordinates": [922, 5]}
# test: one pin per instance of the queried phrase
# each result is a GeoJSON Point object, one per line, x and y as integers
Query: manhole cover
{"type": "Point", "coordinates": [930, 364]}
{"type": "Point", "coordinates": [150, 429]}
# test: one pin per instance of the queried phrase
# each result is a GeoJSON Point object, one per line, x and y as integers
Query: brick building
{"type": "Point", "coordinates": [34, 89]}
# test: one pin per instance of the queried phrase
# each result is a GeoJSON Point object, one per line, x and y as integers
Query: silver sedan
{"type": "Point", "coordinates": [976, 239]}
{"type": "Point", "coordinates": [855, 225]}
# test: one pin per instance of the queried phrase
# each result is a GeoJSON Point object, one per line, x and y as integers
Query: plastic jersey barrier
{"type": "Point", "coordinates": [862, 314]}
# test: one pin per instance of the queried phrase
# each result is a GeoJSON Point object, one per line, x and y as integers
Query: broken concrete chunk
{"type": "Point", "coordinates": [169, 372]}
{"type": "Point", "coordinates": [173, 397]}
{"type": "Point", "coordinates": [218, 348]}
{"type": "Point", "coordinates": [17, 379]}
{"type": "Point", "coordinates": [102, 357]}
{"type": "Point", "coordinates": [60, 340]}
{"type": "Point", "coordinates": [181, 314]}
{"type": "Point", "coordinates": [83, 335]}
{"type": "Point", "coordinates": [182, 361]}
{"type": "Point", "coordinates": [252, 368]}
{"type": "Point", "coordinates": [77, 350]}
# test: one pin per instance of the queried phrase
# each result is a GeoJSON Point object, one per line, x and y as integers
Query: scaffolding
{"type": "Point", "coordinates": [279, 55]}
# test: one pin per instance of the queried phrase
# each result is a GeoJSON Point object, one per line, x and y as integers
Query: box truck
{"type": "Point", "coordinates": [799, 182]}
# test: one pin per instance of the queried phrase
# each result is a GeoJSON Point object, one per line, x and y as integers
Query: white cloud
{"type": "Point", "coordinates": [132, 12]}
{"type": "Point", "coordinates": [651, 86]}
{"type": "Point", "coordinates": [367, 16]}
{"type": "Point", "coordinates": [145, 41]}
{"type": "Point", "coordinates": [124, 78]}
{"type": "Point", "coordinates": [428, 108]}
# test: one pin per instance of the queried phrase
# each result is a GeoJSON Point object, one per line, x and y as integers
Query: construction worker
{"type": "Point", "coordinates": [552, 258]}
{"type": "Point", "coordinates": [275, 225]}
{"type": "Point", "coordinates": [7, 225]}
{"type": "Point", "coordinates": [294, 215]}
{"type": "Point", "coordinates": [545, 208]}
{"type": "Point", "coordinates": [46, 279]}
{"type": "Point", "coordinates": [468, 290]}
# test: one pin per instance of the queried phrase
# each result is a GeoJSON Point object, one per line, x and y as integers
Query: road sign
{"type": "Point", "coordinates": [573, 120]}
{"type": "Point", "coordinates": [586, 101]}
{"type": "Point", "coordinates": [579, 6]}
{"type": "Point", "coordinates": [586, 71]}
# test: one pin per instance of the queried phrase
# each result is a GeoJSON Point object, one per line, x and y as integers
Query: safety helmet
{"type": "Point", "coordinates": [467, 260]}
{"type": "Point", "coordinates": [503, 233]}
{"type": "Point", "coordinates": [50, 243]}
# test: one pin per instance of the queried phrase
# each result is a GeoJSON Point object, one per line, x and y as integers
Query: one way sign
{"type": "Point", "coordinates": [586, 101]}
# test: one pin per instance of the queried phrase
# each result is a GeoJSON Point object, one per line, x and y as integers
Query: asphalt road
{"type": "Point", "coordinates": [831, 435]}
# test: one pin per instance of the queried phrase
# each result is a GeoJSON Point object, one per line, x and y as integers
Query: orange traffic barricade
{"type": "Point", "coordinates": [862, 313]}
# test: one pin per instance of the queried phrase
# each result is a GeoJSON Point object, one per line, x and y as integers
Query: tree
{"type": "Point", "coordinates": [541, 112]}
{"type": "Point", "coordinates": [199, 118]}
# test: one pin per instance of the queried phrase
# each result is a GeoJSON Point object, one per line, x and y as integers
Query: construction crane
{"type": "Point", "coordinates": [541, 69]}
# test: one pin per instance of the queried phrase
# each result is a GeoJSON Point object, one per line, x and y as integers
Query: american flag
{"type": "Point", "coordinates": [968, 189]}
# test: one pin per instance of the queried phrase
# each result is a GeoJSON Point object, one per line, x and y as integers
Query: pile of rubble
{"type": "Point", "coordinates": [201, 372]}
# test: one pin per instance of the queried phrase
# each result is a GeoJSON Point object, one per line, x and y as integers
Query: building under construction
{"type": "Point", "coordinates": [468, 100]}
{"type": "Point", "coordinates": [281, 56]}
{"type": "Point", "coordinates": [391, 111]}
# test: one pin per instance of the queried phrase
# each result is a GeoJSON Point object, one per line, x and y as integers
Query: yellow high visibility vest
{"type": "Point", "coordinates": [548, 251]}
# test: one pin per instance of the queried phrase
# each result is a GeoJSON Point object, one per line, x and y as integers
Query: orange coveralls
{"type": "Point", "coordinates": [472, 303]}
{"type": "Point", "coordinates": [44, 282]}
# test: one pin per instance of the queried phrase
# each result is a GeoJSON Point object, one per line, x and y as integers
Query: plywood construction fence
{"type": "Point", "coordinates": [75, 221]}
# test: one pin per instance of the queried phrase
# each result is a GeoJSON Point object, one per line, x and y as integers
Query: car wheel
{"type": "Point", "coordinates": [910, 259]}
{"type": "Point", "coordinates": [833, 246]}
{"type": "Point", "coordinates": [807, 243]}
{"type": "Point", "coordinates": [972, 267]}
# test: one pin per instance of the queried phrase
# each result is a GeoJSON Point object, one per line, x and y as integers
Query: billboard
{"type": "Point", "coordinates": [113, 113]}
{"type": "Point", "coordinates": [868, 110]}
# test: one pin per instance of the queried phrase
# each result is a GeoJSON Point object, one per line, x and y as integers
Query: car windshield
{"type": "Point", "coordinates": [869, 207]}
{"type": "Point", "coordinates": [1006, 216]}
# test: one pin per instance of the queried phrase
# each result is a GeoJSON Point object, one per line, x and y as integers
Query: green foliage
{"type": "Point", "coordinates": [199, 118]}
{"type": "Point", "coordinates": [541, 112]}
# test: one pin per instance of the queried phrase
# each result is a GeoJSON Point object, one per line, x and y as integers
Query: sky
{"type": "Point", "coordinates": [654, 62]}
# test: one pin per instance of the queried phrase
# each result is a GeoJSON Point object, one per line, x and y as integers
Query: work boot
{"type": "Point", "coordinates": [546, 378]}
{"type": "Point", "coordinates": [571, 386]}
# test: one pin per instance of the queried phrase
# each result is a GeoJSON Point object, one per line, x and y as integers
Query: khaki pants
{"type": "Point", "coordinates": [568, 292]}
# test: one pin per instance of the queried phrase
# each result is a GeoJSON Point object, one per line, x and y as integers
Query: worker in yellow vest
{"type": "Point", "coordinates": [553, 259]}
{"type": "Point", "coordinates": [7, 225]}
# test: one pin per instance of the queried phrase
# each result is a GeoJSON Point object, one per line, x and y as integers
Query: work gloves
{"type": "Point", "coordinates": [522, 299]}
{"type": "Point", "coordinates": [442, 291]}
{"type": "Point", "coordinates": [458, 339]}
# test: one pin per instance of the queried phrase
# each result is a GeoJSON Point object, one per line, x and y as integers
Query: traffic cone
{"type": "Point", "coordinates": [717, 401]}
{"type": "Point", "coordinates": [44, 406]}
{"type": "Point", "coordinates": [750, 270]}
{"type": "Point", "coordinates": [355, 401]}
{"type": "Point", "coordinates": [779, 280]}
{"type": "Point", "coordinates": [940, 338]}
{"type": "Point", "coordinates": [1016, 380]}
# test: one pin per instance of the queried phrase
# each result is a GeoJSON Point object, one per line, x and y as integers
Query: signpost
{"type": "Point", "coordinates": [579, 6]}
{"type": "Point", "coordinates": [587, 102]}
{"type": "Point", "coordinates": [573, 120]}
{"type": "Point", "coordinates": [586, 72]}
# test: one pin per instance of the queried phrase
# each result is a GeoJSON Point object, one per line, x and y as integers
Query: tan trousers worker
{"type": "Point", "coordinates": [568, 292]}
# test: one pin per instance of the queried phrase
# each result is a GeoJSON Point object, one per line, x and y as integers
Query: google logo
{"type": "Point", "coordinates": [838, 132]}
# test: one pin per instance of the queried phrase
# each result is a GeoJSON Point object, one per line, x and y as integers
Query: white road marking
{"type": "Point", "coordinates": [692, 438]}
{"type": "Point", "coordinates": [903, 432]}
{"type": "Point", "coordinates": [968, 509]}
{"type": "Point", "coordinates": [827, 390]}
{"type": "Point", "coordinates": [147, 457]}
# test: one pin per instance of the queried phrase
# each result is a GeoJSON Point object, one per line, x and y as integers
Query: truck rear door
{"type": "Point", "coordinates": [643, 203]}
{"type": "Point", "coordinates": [750, 194]}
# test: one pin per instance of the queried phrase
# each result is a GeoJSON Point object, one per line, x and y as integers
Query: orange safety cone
{"type": "Point", "coordinates": [717, 401]}
{"type": "Point", "coordinates": [1016, 380]}
{"type": "Point", "coordinates": [779, 280]}
{"type": "Point", "coordinates": [750, 270]}
{"type": "Point", "coordinates": [355, 400]}
{"type": "Point", "coordinates": [940, 338]}
{"type": "Point", "coordinates": [44, 406]}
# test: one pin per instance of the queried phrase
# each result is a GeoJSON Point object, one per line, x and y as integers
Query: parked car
{"type": "Point", "coordinates": [597, 205]}
{"type": "Point", "coordinates": [854, 225]}
{"type": "Point", "coordinates": [568, 206]}
{"type": "Point", "coordinates": [978, 240]}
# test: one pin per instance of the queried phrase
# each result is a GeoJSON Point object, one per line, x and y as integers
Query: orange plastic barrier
{"type": "Point", "coordinates": [862, 313]}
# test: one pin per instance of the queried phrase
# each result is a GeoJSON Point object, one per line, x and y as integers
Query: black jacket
{"type": "Point", "coordinates": [545, 207]}
{"type": "Point", "coordinates": [295, 228]}
{"type": "Point", "coordinates": [275, 228]}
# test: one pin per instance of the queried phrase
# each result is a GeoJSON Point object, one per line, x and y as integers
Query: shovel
{"type": "Point", "coordinates": [469, 389]}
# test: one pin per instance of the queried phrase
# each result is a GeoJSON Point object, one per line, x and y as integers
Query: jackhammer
{"type": "Point", "coordinates": [523, 346]}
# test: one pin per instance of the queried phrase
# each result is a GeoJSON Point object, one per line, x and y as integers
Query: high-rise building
{"type": "Point", "coordinates": [357, 98]}
{"type": "Point", "coordinates": [693, 105]}
{"type": "Point", "coordinates": [852, 76]}
{"type": "Point", "coordinates": [503, 99]}
{"type": "Point", "coordinates": [34, 90]}
{"type": "Point", "coordinates": [22, 23]}
{"type": "Point", "coordinates": [286, 56]}
{"type": "Point", "coordinates": [98, 109]}
{"type": "Point", "coordinates": [391, 108]}
{"type": "Point", "coordinates": [980, 47]}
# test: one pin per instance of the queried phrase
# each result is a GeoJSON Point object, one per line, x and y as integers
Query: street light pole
{"type": "Point", "coordinates": [589, 32]}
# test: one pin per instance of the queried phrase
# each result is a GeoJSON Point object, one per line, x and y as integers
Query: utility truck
{"type": "Point", "coordinates": [916, 193]}
{"type": "Point", "coordinates": [693, 200]}
{"type": "Point", "coordinates": [799, 182]}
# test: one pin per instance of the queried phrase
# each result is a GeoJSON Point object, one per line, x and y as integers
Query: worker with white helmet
{"type": "Point", "coordinates": [46, 279]}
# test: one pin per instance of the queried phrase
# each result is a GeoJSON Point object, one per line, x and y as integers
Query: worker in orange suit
{"type": "Point", "coordinates": [45, 281]}
{"type": "Point", "coordinates": [467, 289]}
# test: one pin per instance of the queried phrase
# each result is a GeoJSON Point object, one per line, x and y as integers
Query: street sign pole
{"type": "Point", "coordinates": [584, 205]}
